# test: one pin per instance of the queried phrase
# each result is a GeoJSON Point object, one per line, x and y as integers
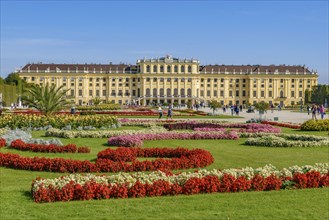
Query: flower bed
{"type": "Point", "coordinates": [124, 185]}
{"type": "Point", "coordinates": [252, 129]}
{"type": "Point", "coordinates": [56, 121]}
{"type": "Point", "coordinates": [104, 107]}
{"type": "Point", "coordinates": [54, 132]}
{"type": "Point", "coordinates": [288, 140]}
{"type": "Point", "coordinates": [2, 142]}
{"type": "Point", "coordinates": [281, 124]}
{"type": "Point", "coordinates": [52, 148]}
{"type": "Point", "coordinates": [181, 159]}
{"type": "Point", "coordinates": [316, 125]}
{"type": "Point", "coordinates": [197, 125]}
{"type": "Point", "coordinates": [137, 139]}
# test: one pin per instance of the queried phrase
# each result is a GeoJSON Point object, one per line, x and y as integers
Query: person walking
{"type": "Point", "coordinates": [160, 112]}
{"type": "Point", "coordinates": [170, 112]}
{"type": "Point", "coordinates": [272, 108]}
{"type": "Point", "coordinates": [308, 110]}
{"type": "Point", "coordinates": [322, 111]}
{"type": "Point", "coordinates": [314, 110]}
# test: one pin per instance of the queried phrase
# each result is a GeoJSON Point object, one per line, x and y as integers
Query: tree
{"type": "Point", "coordinates": [214, 105]}
{"type": "Point", "coordinates": [97, 101]}
{"type": "Point", "coordinates": [319, 94]}
{"type": "Point", "coordinates": [47, 99]}
{"type": "Point", "coordinates": [307, 98]}
{"type": "Point", "coordinates": [262, 107]}
{"type": "Point", "coordinates": [189, 104]}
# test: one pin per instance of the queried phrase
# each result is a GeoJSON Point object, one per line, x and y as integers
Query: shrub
{"type": "Point", "coordinates": [316, 125]}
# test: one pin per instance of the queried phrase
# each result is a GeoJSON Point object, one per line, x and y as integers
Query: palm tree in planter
{"type": "Point", "coordinates": [47, 99]}
{"type": "Point", "coordinates": [262, 107]}
{"type": "Point", "coordinates": [214, 105]}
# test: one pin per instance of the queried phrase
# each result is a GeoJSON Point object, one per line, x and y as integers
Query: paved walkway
{"type": "Point", "coordinates": [284, 115]}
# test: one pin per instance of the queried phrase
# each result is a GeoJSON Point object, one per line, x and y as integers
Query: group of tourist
{"type": "Point", "coordinates": [169, 113]}
{"type": "Point", "coordinates": [316, 109]}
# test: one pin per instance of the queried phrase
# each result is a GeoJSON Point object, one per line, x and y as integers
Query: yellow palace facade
{"type": "Point", "coordinates": [169, 80]}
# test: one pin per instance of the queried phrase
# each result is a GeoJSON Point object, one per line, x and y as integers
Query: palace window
{"type": "Point", "coordinates": [90, 92]}
{"type": "Point", "coordinates": [202, 79]}
{"type": "Point", "coordinates": [155, 92]}
{"type": "Point", "coordinates": [154, 79]}
{"type": "Point", "coordinates": [97, 93]}
{"type": "Point", "coordinates": [222, 80]}
{"type": "Point", "coordinates": [254, 94]}
{"type": "Point", "coordinates": [300, 94]}
{"type": "Point", "coordinates": [182, 80]}
{"type": "Point", "coordinates": [262, 94]}
{"type": "Point", "coordinates": [80, 92]}
{"type": "Point", "coordinates": [189, 79]}
{"type": "Point", "coordinates": [72, 92]}
{"type": "Point", "coordinates": [182, 69]}
{"type": "Point", "coordinates": [237, 93]}
{"type": "Point", "coordinates": [230, 93]}
{"type": "Point", "coordinates": [161, 69]}
{"type": "Point", "coordinates": [80, 84]}
{"type": "Point", "coordinates": [221, 93]}
{"type": "Point", "coordinates": [270, 93]}
{"type": "Point", "coordinates": [175, 92]}
{"type": "Point", "coordinates": [168, 69]}
{"type": "Point", "coordinates": [104, 92]}
{"type": "Point", "coordinates": [215, 93]}
{"type": "Point", "coordinates": [148, 79]}
{"type": "Point", "coordinates": [243, 93]}
{"type": "Point", "coordinates": [189, 92]}
{"type": "Point", "coordinates": [201, 93]}
{"type": "Point", "coordinates": [168, 92]}
{"type": "Point", "coordinates": [175, 69]}
{"type": "Point", "coordinates": [155, 69]}
{"type": "Point", "coordinates": [120, 92]}
{"type": "Point", "coordinates": [237, 80]}
{"type": "Point", "coordinates": [148, 92]}
{"type": "Point", "coordinates": [182, 92]}
{"type": "Point", "coordinates": [33, 78]}
{"type": "Point", "coordinates": [148, 69]}
{"type": "Point", "coordinates": [113, 84]}
{"type": "Point", "coordinates": [189, 69]}
{"type": "Point", "coordinates": [113, 79]}
{"type": "Point", "coordinates": [168, 79]}
{"type": "Point", "coordinates": [292, 94]}
{"type": "Point", "coordinates": [208, 93]}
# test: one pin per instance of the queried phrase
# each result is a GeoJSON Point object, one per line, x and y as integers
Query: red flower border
{"type": "Point", "coordinates": [114, 161]}
{"type": "Point", "coordinates": [207, 184]}
{"type": "Point", "coordinates": [280, 124]}
{"type": "Point", "coordinates": [51, 148]}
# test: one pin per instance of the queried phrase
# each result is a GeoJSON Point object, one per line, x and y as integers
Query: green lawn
{"type": "Point", "coordinates": [16, 202]}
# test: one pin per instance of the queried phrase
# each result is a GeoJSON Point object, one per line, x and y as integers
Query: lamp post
{"type": "Point", "coordinates": [301, 104]}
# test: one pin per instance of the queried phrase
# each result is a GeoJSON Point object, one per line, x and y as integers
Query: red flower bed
{"type": "Point", "coordinates": [280, 124]}
{"type": "Point", "coordinates": [2, 142]}
{"type": "Point", "coordinates": [52, 148]}
{"type": "Point", "coordinates": [114, 161]}
{"type": "Point", "coordinates": [208, 184]}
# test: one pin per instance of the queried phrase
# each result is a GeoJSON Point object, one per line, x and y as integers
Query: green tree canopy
{"type": "Point", "coordinates": [319, 94]}
{"type": "Point", "coordinates": [214, 105]}
{"type": "Point", "coordinates": [262, 106]}
{"type": "Point", "coordinates": [47, 99]}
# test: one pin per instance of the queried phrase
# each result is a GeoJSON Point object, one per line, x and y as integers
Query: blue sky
{"type": "Point", "coordinates": [223, 32]}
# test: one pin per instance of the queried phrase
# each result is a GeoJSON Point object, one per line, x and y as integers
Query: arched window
{"type": "Point", "coordinates": [175, 69]}
{"type": "Point", "coordinates": [189, 69]}
{"type": "Point", "coordinates": [155, 92]}
{"type": "Point", "coordinates": [148, 69]}
{"type": "Point", "coordinates": [189, 92]}
{"type": "Point", "coordinates": [175, 92]}
{"type": "Point", "coordinates": [161, 92]}
{"type": "Point", "coordinates": [281, 94]}
{"type": "Point", "coordinates": [155, 69]}
{"type": "Point", "coordinates": [182, 69]}
{"type": "Point", "coordinates": [161, 69]}
{"type": "Point", "coordinates": [168, 69]}
{"type": "Point", "coordinates": [182, 92]}
{"type": "Point", "coordinates": [148, 92]}
{"type": "Point", "coordinates": [168, 92]}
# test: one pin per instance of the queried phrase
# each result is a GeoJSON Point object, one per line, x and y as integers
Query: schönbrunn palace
{"type": "Point", "coordinates": [169, 80]}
